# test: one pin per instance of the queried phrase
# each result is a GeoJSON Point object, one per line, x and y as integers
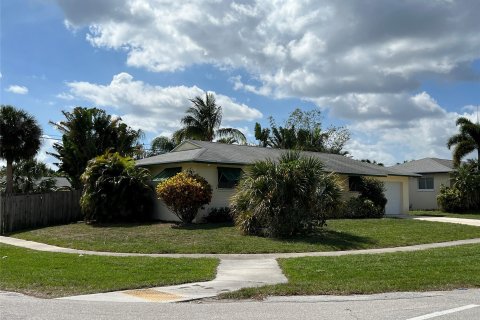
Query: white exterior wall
{"type": "Point", "coordinates": [220, 196]}
{"type": "Point", "coordinates": [427, 199]}
{"type": "Point", "coordinates": [404, 195]}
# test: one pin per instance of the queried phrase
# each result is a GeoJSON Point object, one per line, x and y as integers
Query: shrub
{"type": "Point", "coordinates": [219, 215]}
{"type": "Point", "coordinates": [450, 199]}
{"type": "Point", "coordinates": [115, 190]}
{"type": "Point", "coordinates": [369, 204]}
{"type": "Point", "coordinates": [184, 194]}
{"type": "Point", "coordinates": [464, 194]}
{"type": "Point", "coordinates": [283, 198]}
{"type": "Point", "coordinates": [361, 208]}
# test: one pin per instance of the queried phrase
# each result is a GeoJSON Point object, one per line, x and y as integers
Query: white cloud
{"type": "Point", "coordinates": [363, 61]}
{"type": "Point", "coordinates": [423, 137]}
{"type": "Point", "coordinates": [17, 89]}
{"type": "Point", "coordinates": [153, 108]}
{"type": "Point", "coordinates": [295, 49]}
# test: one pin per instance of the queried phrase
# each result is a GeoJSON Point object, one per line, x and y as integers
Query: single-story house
{"type": "Point", "coordinates": [222, 165]}
{"type": "Point", "coordinates": [423, 190]}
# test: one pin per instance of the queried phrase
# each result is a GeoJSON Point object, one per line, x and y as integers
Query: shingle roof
{"type": "Point", "coordinates": [426, 165]}
{"type": "Point", "coordinates": [211, 152]}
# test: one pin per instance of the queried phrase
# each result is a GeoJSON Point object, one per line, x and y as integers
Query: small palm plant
{"type": "Point", "coordinates": [284, 198]}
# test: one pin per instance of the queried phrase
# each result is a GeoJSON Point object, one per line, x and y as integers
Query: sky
{"type": "Point", "coordinates": [397, 74]}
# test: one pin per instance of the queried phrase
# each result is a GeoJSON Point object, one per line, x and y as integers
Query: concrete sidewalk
{"type": "Point", "coordinates": [231, 275]}
{"type": "Point", "coordinates": [235, 256]}
{"type": "Point", "coordinates": [469, 222]}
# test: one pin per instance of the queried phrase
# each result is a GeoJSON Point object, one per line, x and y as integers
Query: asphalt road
{"type": "Point", "coordinates": [458, 304]}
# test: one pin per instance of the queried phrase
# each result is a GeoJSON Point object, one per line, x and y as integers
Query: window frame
{"type": "Point", "coordinates": [156, 181]}
{"type": "Point", "coordinates": [226, 185]}
{"type": "Point", "coordinates": [354, 183]}
{"type": "Point", "coordinates": [425, 180]}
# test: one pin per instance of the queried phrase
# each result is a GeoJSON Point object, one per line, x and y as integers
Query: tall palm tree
{"type": "Point", "coordinates": [19, 138]}
{"type": "Point", "coordinates": [203, 120]}
{"type": "Point", "coordinates": [466, 141]}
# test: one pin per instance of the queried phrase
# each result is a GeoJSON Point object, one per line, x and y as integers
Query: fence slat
{"type": "Point", "coordinates": [23, 211]}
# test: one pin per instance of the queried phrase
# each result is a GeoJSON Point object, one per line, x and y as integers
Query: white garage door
{"type": "Point", "coordinates": [393, 193]}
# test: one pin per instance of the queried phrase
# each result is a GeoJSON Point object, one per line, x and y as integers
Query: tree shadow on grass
{"type": "Point", "coordinates": [202, 226]}
{"type": "Point", "coordinates": [334, 239]}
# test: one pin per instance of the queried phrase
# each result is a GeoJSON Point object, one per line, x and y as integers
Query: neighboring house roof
{"type": "Point", "coordinates": [426, 165]}
{"type": "Point", "coordinates": [60, 182]}
{"type": "Point", "coordinates": [220, 153]}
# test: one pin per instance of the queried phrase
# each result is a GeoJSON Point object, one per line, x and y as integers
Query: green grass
{"type": "Point", "coordinates": [50, 275]}
{"type": "Point", "coordinates": [221, 238]}
{"type": "Point", "coordinates": [467, 215]}
{"type": "Point", "coordinates": [436, 269]}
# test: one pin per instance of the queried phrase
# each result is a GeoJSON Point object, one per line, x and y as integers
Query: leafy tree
{"type": "Point", "coordinates": [203, 121]}
{"type": "Point", "coordinates": [115, 190]}
{"type": "Point", "coordinates": [262, 135]}
{"type": "Point", "coordinates": [464, 192]}
{"type": "Point", "coordinates": [373, 162]}
{"type": "Point", "coordinates": [162, 144]}
{"type": "Point", "coordinates": [465, 142]}
{"type": "Point", "coordinates": [30, 176]}
{"type": "Point", "coordinates": [87, 133]}
{"type": "Point", "coordinates": [284, 198]}
{"type": "Point", "coordinates": [303, 131]}
{"type": "Point", "coordinates": [184, 194]}
{"type": "Point", "coordinates": [19, 138]}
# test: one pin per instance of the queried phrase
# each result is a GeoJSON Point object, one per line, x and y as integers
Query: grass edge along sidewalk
{"type": "Point", "coordinates": [51, 275]}
{"type": "Point", "coordinates": [222, 238]}
{"type": "Point", "coordinates": [429, 270]}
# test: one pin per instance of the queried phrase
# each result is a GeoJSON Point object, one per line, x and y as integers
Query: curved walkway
{"type": "Point", "coordinates": [235, 271]}
{"type": "Point", "coordinates": [234, 256]}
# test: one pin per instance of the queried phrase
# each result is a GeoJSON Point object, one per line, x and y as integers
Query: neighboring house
{"type": "Point", "coordinates": [222, 165]}
{"type": "Point", "coordinates": [424, 189]}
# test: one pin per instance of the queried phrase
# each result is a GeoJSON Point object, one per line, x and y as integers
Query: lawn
{"type": "Point", "coordinates": [222, 238]}
{"type": "Point", "coordinates": [467, 215]}
{"type": "Point", "coordinates": [50, 275]}
{"type": "Point", "coordinates": [436, 269]}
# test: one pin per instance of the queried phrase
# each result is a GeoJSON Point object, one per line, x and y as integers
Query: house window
{"type": "Point", "coordinates": [425, 183]}
{"type": "Point", "coordinates": [165, 174]}
{"type": "Point", "coordinates": [354, 183]}
{"type": "Point", "coordinates": [228, 177]}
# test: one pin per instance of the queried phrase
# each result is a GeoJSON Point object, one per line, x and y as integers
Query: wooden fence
{"type": "Point", "coordinates": [24, 211]}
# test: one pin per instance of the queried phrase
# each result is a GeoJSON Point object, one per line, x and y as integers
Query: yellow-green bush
{"type": "Point", "coordinates": [184, 194]}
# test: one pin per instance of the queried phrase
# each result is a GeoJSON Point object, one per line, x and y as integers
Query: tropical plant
{"type": "Point", "coordinates": [370, 203]}
{"type": "Point", "coordinates": [450, 199]}
{"type": "Point", "coordinates": [283, 198]}
{"type": "Point", "coordinates": [115, 190]}
{"type": "Point", "coordinates": [184, 194]}
{"type": "Point", "coordinates": [87, 133]}
{"type": "Point", "coordinates": [203, 121]}
{"type": "Point", "coordinates": [464, 192]}
{"type": "Point", "coordinates": [466, 141]}
{"type": "Point", "coordinates": [19, 138]}
{"type": "Point", "coordinates": [30, 176]}
{"type": "Point", "coordinates": [303, 131]}
{"type": "Point", "coordinates": [161, 144]}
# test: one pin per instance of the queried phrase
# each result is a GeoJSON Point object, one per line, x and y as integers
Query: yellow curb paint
{"type": "Point", "coordinates": [153, 295]}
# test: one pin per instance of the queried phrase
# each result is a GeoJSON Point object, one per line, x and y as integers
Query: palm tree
{"type": "Point", "coordinates": [203, 120]}
{"type": "Point", "coordinates": [466, 141]}
{"type": "Point", "coordinates": [19, 138]}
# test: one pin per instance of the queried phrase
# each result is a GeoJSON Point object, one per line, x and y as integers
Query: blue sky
{"type": "Point", "coordinates": [397, 74]}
